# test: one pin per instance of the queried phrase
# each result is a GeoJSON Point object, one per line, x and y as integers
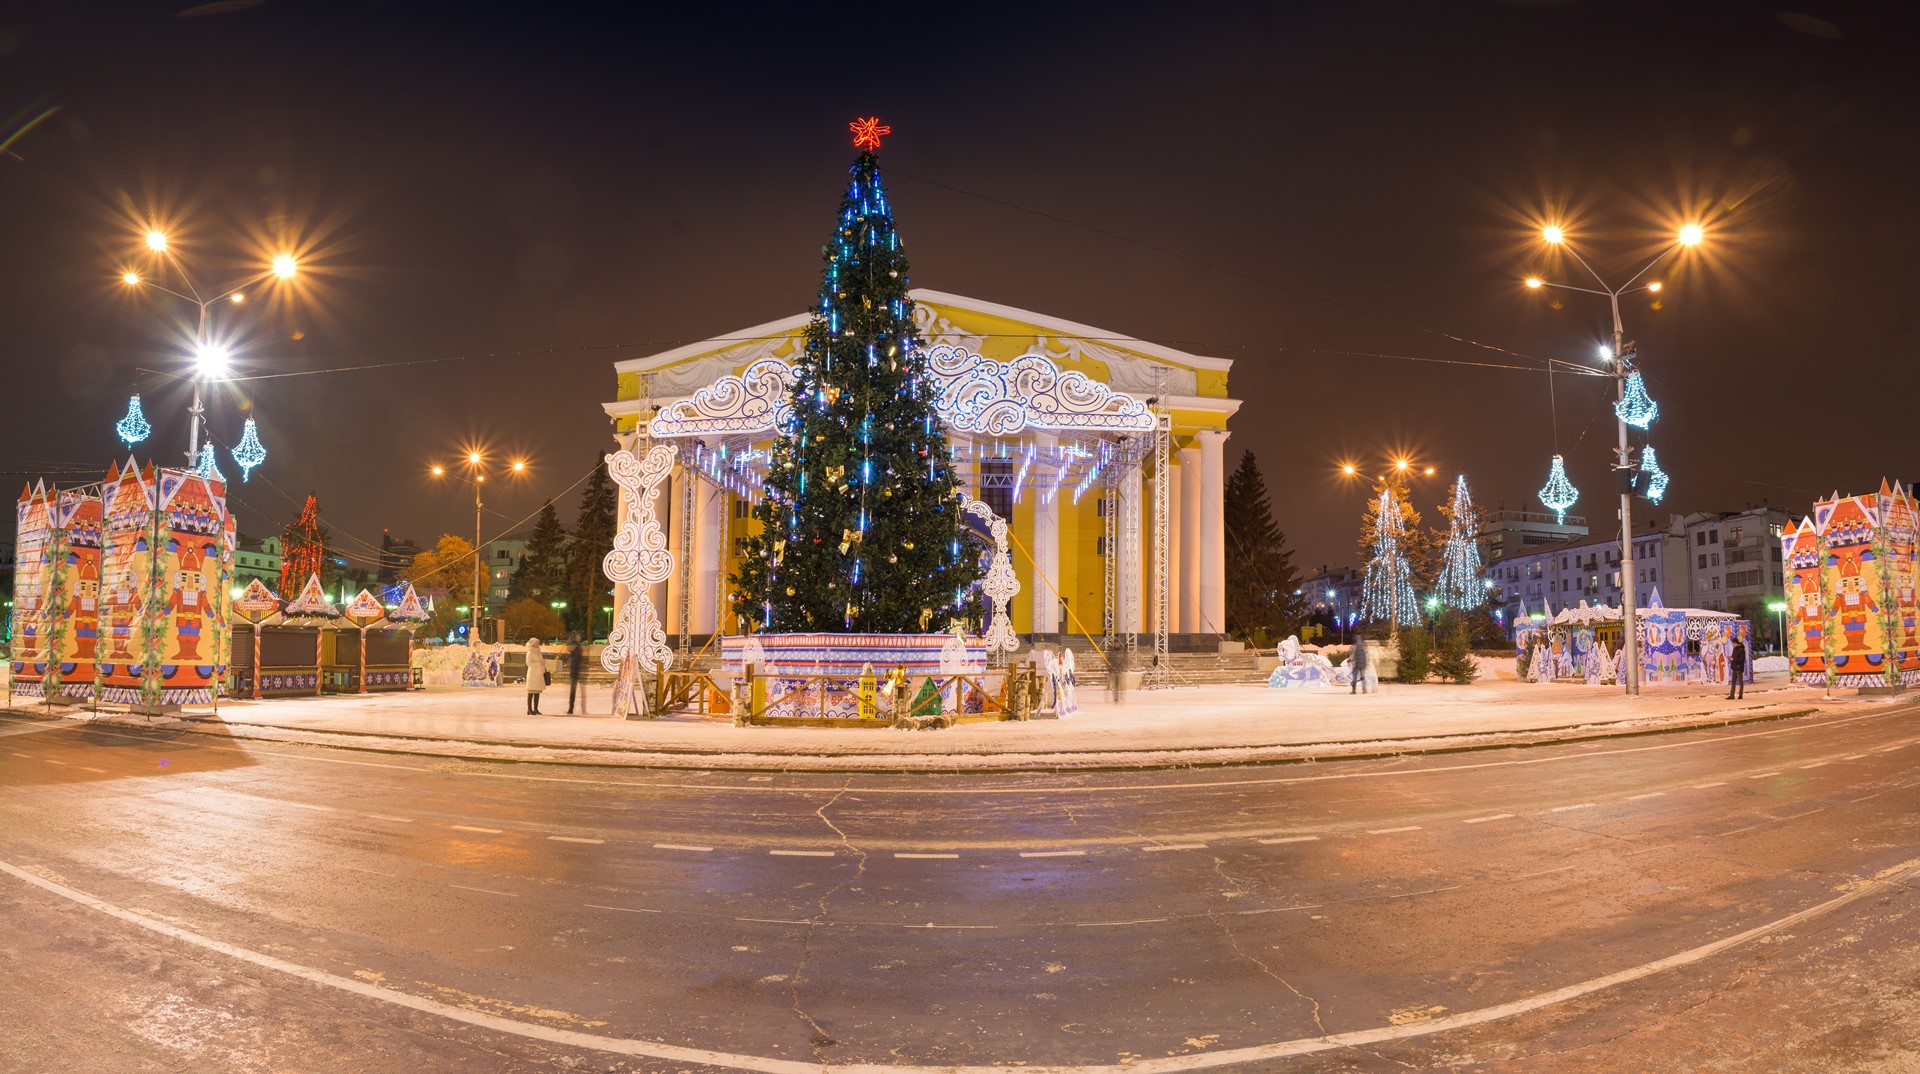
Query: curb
{"type": "Point", "coordinates": [902, 764]}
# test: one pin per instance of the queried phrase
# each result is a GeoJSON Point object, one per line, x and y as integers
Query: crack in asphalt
{"type": "Point", "coordinates": [1233, 941]}
{"type": "Point", "coordinates": [820, 1038]}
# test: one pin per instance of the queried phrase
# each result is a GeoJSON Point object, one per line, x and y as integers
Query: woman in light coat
{"type": "Point", "coordinates": [536, 675]}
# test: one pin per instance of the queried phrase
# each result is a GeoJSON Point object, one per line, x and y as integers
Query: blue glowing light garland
{"type": "Point", "coordinates": [133, 428]}
{"type": "Point", "coordinates": [1636, 407]}
{"type": "Point", "coordinates": [1559, 493]}
{"type": "Point", "coordinates": [249, 453]}
{"type": "Point", "coordinates": [1656, 478]}
{"type": "Point", "coordinates": [1460, 584]}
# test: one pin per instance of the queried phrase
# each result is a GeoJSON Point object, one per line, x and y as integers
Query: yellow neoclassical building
{"type": "Point", "coordinates": [1103, 452]}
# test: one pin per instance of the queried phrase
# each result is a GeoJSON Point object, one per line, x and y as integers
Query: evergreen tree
{"type": "Point", "coordinates": [1386, 592]}
{"type": "Point", "coordinates": [1416, 544]}
{"type": "Point", "coordinates": [860, 528]}
{"type": "Point", "coordinates": [303, 550]}
{"type": "Point", "coordinates": [1459, 583]}
{"type": "Point", "coordinates": [1454, 660]}
{"type": "Point", "coordinates": [1416, 653]}
{"type": "Point", "coordinates": [1261, 580]}
{"type": "Point", "coordinates": [588, 589]}
{"type": "Point", "coordinates": [542, 574]}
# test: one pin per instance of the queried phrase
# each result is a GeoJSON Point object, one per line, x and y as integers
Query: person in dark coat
{"type": "Point", "coordinates": [1737, 670]}
{"type": "Point", "coordinates": [1357, 666]}
{"type": "Point", "coordinates": [576, 674]}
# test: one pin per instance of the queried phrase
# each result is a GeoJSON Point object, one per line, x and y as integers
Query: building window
{"type": "Point", "coordinates": [1716, 583]}
{"type": "Point", "coordinates": [1776, 554]}
{"type": "Point", "coordinates": [1700, 539]}
{"type": "Point", "coordinates": [742, 509]}
{"type": "Point", "coordinates": [1640, 575]}
{"type": "Point", "coordinates": [1564, 584]}
{"type": "Point", "coordinates": [1100, 545]}
{"type": "Point", "coordinates": [1703, 561]}
{"type": "Point", "coordinates": [1713, 536]}
{"type": "Point", "coordinates": [996, 487]}
{"type": "Point", "coordinates": [1715, 559]}
{"type": "Point", "coordinates": [1653, 574]}
{"type": "Point", "coordinates": [1733, 533]}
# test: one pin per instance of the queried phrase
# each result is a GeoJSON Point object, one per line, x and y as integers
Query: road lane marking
{"type": "Point", "coordinates": [1423, 891]}
{"type": "Point", "coordinates": [1704, 786]}
{"type": "Point", "coordinates": [28, 756]}
{"type": "Point", "coordinates": [1292, 839]}
{"type": "Point", "coordinates": [62, 764]}
{"type": "Point", "coordinates": [1174, 846]}
{"type": "Point", "coordinates": [1565, 808]}
{"type": "Point", "coordinates": [1135, 921]}
{"type": "Point", "coordinates": [573, 839]}
{"type": "Point", "coordinates": [1763, 775]}
{"type": "Point", "coordinates": [1283, 909]}
{"type": "Point", "coordinates": [1483, 820]}
{"type": "Point", "coordinates": [1052, 853]}
{"type": "Point", "coordinates": [488, 891]}
{"type": "Point", "coordinates": [1890, 749]}
{"type": "Point", "coordinates": [931, 925]}
{"type": "Point", "coordinates": [383, 816]}
{"type": "Point", "coordinates": [471, 828]}
{"type": "Point", "coordinates": [682, 846]}
{"type": "Point", "coordinates": [802, 853]}
{"type": "Point", "coordinates": [1853, 757]}
{"type": "Point", "coordinates": [85, 768]}
{"type": "Point", "coordinates": [1816, 764]}
{"type": "Point", "coordinates": [903, 854]}
{"type": "Point", "coordinates": [773, 921]}
{"type": "Point", "coordinates": [1546, 872]}
{"type": "Point", "coordinates": [1649, 850]}
{"type": "Point", "coordinates": [622, 909]}
{"type": "Point", "coordinates": [1649, 794]}
{"type": "Point", "coordinates": [308, 805]}
{"type": "Point", "coordinates": [1872, 886]}
{"type": "Point", "coordinates": [1390, 831]}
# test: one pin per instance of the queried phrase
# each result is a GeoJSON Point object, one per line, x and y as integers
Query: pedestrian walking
{"type": "Point", "coordinates": [536, 675]}
{"type": "Point", "coordinates": [1357, 666]}
{"type": "Point", "coordinates": [1737, 671]}
{"type": "Point", "coordinates": [576, 674]}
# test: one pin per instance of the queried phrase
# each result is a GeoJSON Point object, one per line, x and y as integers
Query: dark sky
{"type": "Point", "coordinates": [1293, 186]}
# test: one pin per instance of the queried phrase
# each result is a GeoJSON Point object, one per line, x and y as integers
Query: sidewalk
{"type": "Point", "coordinates": [1187, 726]}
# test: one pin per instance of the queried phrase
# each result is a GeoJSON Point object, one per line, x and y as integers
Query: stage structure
{"type": "Point", "coordinates": [1850, 591]}
{"type": "Point", "coordinates": [1054, 426]}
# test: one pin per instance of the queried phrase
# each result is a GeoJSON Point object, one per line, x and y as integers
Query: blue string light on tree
{"type": "Point", "coordinates": [1459, 584]}
{"type": "Point", "coordinates": [1636, 407]}
{"type": "Point", "coordinates": [207, 467]}
{"type": "Point", "coordinates": [1654, 478]}
{"type": "Point", "coordinates": [249, 452]}
{"type": "Point", "coordinates": [133, 428]}
{"type": "Point", "coordinates": [1559, 493]}
{"type": "Point", "coordinates": [1386, 593]}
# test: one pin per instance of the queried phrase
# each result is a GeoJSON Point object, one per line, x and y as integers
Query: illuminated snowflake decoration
{"type": "Point", "coordinates": [133, 428]}
{"type": "Point", "coordinates": [1655, 477]}
{"type": "Point", "coordinates": [1559, 493]}
{"type": "Point", "coordinates": [867, 132]}
{"type": "Point", "coordinates": [1636, 407]}
{"type": "Point", "coordinates": [249, 453]}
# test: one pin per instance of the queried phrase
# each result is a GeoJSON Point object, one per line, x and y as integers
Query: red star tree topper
{"type": "Point", "coordinates": [867, 132]}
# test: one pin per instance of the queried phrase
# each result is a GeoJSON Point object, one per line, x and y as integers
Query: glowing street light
{"type": "Point", "coordinates": [1655, 286]}
{"type": "Point", "coordinates": [477, 478]}
{"type": "Point", "coordinates": [157, 241]}
{"type": "Point", "coordinates": [1536, 282]}
{"type": "Point", "coordinates": [1692, 235]}
{"type": "Point", "coordinates": [211, 359]}
{"type": "Point", "coordinates": [132, 279]}
{"type": "Point", "coordinates": [284, 266]}
{"type": "Point", "coordinates": [1553, 234]}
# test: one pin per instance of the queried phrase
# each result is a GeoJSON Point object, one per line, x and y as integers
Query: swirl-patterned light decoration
{"type": "Point", "coordinates": [980, 395]}
{"type": "Point", "coordinates": [1001, 584]}
{"type": "Point", "coordinates": [639, 560]}
{"type": "Point", "coordinates": [756, 401]}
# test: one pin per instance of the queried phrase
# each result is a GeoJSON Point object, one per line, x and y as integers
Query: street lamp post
{"type": "Point", "coordinates": [1779, 610]}
{"type": "Point", "coordinates": [1405, 469]}
{"type": "Point", "coordinates": [476, 465]}
{"type": "Point", "coordinates": [210, 356]}
{"type": "Point", "coordinates": [1689, 236]}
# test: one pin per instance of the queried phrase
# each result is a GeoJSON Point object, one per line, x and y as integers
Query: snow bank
{"type": "Point", "coordinates": [1764, 664]}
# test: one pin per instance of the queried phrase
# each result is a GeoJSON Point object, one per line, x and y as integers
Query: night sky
{"type": "Point", "coordinates": [1318, 192]}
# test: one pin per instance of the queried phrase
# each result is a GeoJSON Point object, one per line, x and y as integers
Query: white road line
{"type": "Point", "coordinates": [1052, 853]}
{"type": "Point", "coordinates": [1135, 921]}
{"type": "Point", "coordinates": [28, 756]}
{"type": "Point", "coordinates": [903, 854]}
{"type": "Point", "coordinates": [1853, 757]}
{"type": "Point", "coordinates": [488, 891]}
{"type": "Point", "coordinates": [773, 921]}
{"type": "Point", "coordinates": [1423, 891]}
{"type": "Point", "coordinates": [470, 828]}
{"type": "Point", "coordinates": [62, 764]}
{"type": "Point", "coordinates": [1816, 764]}
{"type": "Point", "coordinates": [759, 779]}
{"type": "Point", "coordinates": [1292, 839]}
{"type": "Point", "coordinates": [1576, 805]}
{"type": "Point", "coordinates": [1763, 775]}
{"type": "Point", "coordinates": [308, 805]}
{"type": "Point", "coordinates": [622, 909]}
{"type": "Point", "coordinates": [684, 846]}
{"type": "Point", "coordinates": [1546, 872]}
{"type": "Point", "coordinates": [1390, 831]}
{"type": "Point", "coordinates": [1284, 909]}
{"type": "Point", "coordinates": [84, 768]}
{"type": "Point", "coordinates": [1704, 786]}
{"type": "Point", "coordinates": [1890, 749]}
{"type": "Point", "coordinates": [573, 839]}
{"type": "Point", "coordinates": [770, 1065]}
{"type": "Point", "coordinates": [931, 925]}
{"type": "Point", "coordinates": [383, 816]}
{"type": "Point", "coordinates": [1483, 820]}
{"type": "Point", "coordinates": [802, 853]}
{"type": "Point", "coordinates": [1174, 846]}
{"type": "Point", "coordinates": [1649, 794]}
{"type": "Point", "coordinates": [1649, 850]}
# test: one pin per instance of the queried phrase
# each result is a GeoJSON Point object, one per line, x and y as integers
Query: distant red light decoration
{"type": "Point", "coordinates": [867, 132]}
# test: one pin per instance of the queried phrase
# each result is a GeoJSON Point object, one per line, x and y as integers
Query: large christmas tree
{"type": "Point", "coordinates": [860, 527]}
{"type": "Point", "coordinates": [1460, 583]}
{"type": "Point", "coordinates": [1387, 589]}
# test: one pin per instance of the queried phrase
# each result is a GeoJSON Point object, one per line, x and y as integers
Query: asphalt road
{"type": "Point", "coordinates": [1740, 900]}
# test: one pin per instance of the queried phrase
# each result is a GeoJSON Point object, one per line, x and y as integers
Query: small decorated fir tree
{"type": "Point", "coordinates": [303, 550]}
{"type": "Point", "coordinates": [861, 525]}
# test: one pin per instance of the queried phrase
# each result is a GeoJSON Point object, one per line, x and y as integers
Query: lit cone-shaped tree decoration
{"type": "Point", "coordinates": [249, 453]}
{"type": "Point", "coordinates": [207, 468]}
{"type": "Point", "coordinates": [1459, 584]}
{"type": "Point", "coordinates": [1653, 478]}
{"type": "Point", "coordinates": [133, 428]}
{"type": "Point", "coordinates": [1559, 493]}
{"type": "Point", "coordinates": [1386, 592]}
{"type": "Point", "coordinates": [1636, 407]}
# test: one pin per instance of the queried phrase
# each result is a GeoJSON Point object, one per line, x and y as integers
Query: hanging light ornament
{"type": "Point", "coordinates": [207, 468]}
{"type": "Point", "coordinates": [249, 453]}
{"type": "Point", "coordinates": [1636, 407]}
{"type": "Point", "coordinates": [1559, 493]}
{"type": "Point", "coordinates": [1656, 478]}
{"type": "Point", "coordinates": [133, 428]}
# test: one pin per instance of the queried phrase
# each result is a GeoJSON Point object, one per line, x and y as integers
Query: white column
{"type": "Point", "coordinates": [676, 481]}
{"type": "Point", "coordinates": [1213, 534]}
{"type": "Point", "coordinates": [707, 535]}
{"type": "Point", "coordinates": [1045, 584]}
{"type": "Point", "coordinates": [1133, 561]}
{"type": "Point", "coordinates": [1186, 576]}
{"type": "Point", "coordinates": [622, 442]}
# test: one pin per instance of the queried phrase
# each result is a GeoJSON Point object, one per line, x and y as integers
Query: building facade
{"type": "Point", "coordinates": [1050, 423]}
{"type": "Point", "coordinates": [1588, 568]}
{"type": "Point", "coordinates": [1334, 593]}
{"type": "Point", "coordinates": [1505, 534]}
{"type": "Point", "coordinates": [257, 560]}
{"type": "Point", "coordinates": [1736, 562]}
{"type": "Point", "coordinates": [502, 559]}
